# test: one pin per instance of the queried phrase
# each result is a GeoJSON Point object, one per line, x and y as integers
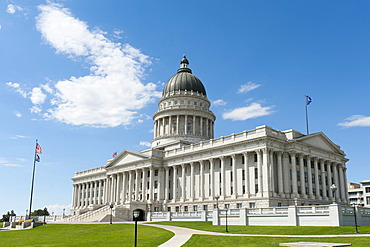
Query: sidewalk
{"type": "Point", "coordinates": [182, 235]}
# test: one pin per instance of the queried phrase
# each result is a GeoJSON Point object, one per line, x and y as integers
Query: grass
{"type": "Point", "coordinates": [273, 230]}
{"type": "Point", "coordinates": [204, 241]}
{"type": "Point", "coordinates": [85, 235]}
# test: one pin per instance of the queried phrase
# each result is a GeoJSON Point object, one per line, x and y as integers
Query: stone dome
{"type": "Point", "coordinates": [184, 80]}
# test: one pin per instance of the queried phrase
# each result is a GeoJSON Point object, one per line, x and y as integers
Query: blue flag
{"type": "Point", "coordinates": [37, 158]}
{"type": "Point", "coordinates": [308, 100]}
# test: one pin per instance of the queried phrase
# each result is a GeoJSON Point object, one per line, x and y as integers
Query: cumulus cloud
{"type": "Point", "coordinates": [17, 88]}
{"type": "Point", "coordinates": [58, 209]}
{"type": "Point", "coordinates": [11, 9]}
{"type": "Point", "coordinates": [145, 144]}
{"type": "Point", "coordinates": [17, 114]}
{"type": "Point", "coordinates": [219, 102]}
{"type": "Point", "coordinates": [19, 137]}
{"type": "Point", "coordinates": [4, 162]}
{"type": "Point", "coordinates": [249, 86]}
{"type": "Point", "coordinates": [356, 121]}
{"type": "Point", "coordinates": [254, 110]}
{"type": "Point", "coordinates": [111, 94]}
{"type": "Point", "coordinates": [37, 96]}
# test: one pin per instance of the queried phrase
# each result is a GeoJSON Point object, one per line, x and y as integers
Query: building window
{"type": "Point", "coordinates": [297, 161]}
{"type": "Point", "coordinates": [298, 175]}
{"type": "Point", "coordinates": [367, 189]}
{"type": "Point", "coordinates": [320, 180]}
{"type": "Point", "coordinates": [155, 196]}
{"type": "Point", "coordinates": [243, 159]}
{"type": "Point", "coordinates": [239, 205]}
{"type": "Point", "coordinates": [243, 189]}
{"type": "Point", "coordinates": [177, 209]}
{"type": "Point", "coordinates": [305, 177]}
{"type": "Point", "coordinates": [256, 187]}
{"type": "Point", "coordinates": [156, 173]}
{"type": "Point", "coordinates": [255, 157]}
{"type": "Point", "coordinates": [195, 208]}
{"type": "Point", "coordinates": [305, 163]}
{"type": "Point", "coordinates": [175, 102]}
{"type": "Point", "coordinates": [252, 205]}
{"type": "Point", "coordinates": [243, 174]}
{"type": "Point", "coordinates": [232, 190]}
{"type": "Point", "coordinates": [168, 209]}
{"type": "Point", "coordinates": [195, 103]}
{"type": "Point", "coordinates": [313, 178]}
{"type": "Point", "coordinates": [155, 184]}
{"type": "Point", "coordinates": [200, 104]}
{"type": "Point", "coordinates": [279, 204]}
{"type": "Point", "coordinates": [231, 176]}
{"type": "Point", "coordinates": [205, 207]}
{"type": "Point", "coordinates": [186, 208]}
{"type": "Point", "coordinates": [156, 209]}
{"type": "Point", "coordinates": [255, 173]}
{"type": "Point", "coordinates": [182, 102]}
{"type": "Point", "coordinates": [227, 206]}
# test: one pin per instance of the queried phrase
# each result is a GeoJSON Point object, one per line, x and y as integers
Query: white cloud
{"type": "Point", "coordinates": [16, 137]}
{"type": "Point", "coordinates": [11, 9]}
{"type": "Point", "coordinates": [254, 110]}
{"type": "Point", "coordinates": [17, 88]}
{"type": "Point", "coordinates": [145, 144]}
{"type": "Point", "coordinates": [35, 109]}
{"type": "Point", "coordinates": [11, 165]}
{"type": "Point", "coordinates": [112, 93]}
{"type": "Point", "coordinates": [37, 96]}
{"type": "Point", "coordinates": [219, 102]}
{"type": "Point", "coordinates": [249, 86]}
{"type": "Point", "coordinates": [17, 114]}
{"type": "Point", "coordinates": [356, 121]}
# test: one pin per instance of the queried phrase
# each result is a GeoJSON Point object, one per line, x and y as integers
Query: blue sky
{"type": "Point", "coordinates": [83, 77]}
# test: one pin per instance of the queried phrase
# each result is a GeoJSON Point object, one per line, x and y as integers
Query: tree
{"type": "Point", "coordinates": [40, 212]}
{"type": "Point", "coordinates": [6, 216]}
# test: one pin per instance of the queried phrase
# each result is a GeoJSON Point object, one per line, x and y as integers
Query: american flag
{"type": "Point", "coordinates": [38, 149]}
{"type": "Point", "coordinates": [114, 155]}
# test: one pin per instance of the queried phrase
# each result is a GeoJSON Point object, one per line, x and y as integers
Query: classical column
{"type": "Point", "coordinates": [302, 177]}
{"type": "Point", "coordinates": [294, 175]}
{"type": "Point", "coordinates": [74, 196]}
{"type": "Point", "coordinates": [112, 187]}
{"type": "Point", "coordinates": [183, 184]}
{"type": "Point", "coordinates": [166, 183]}
{"type": "Point", "coordinates": [330, 182]}
{"type": "Point", "coordinates": [211, 179]}
{"type": "Point", "coordinates": [286, 174]}
{"type": "Point", "coordinates": [317, 181]}
{"type": "Point", "coordinates": [194, 125]}
{"type": "Point", "coordinates": [342, 184]}
{"type": "Point", "coordinates": [144, 187]}
{"type": "Point", "coordinates": [265, 173]}
{"type": "Point", "coordinates": [186, 124]}
{"type": "Point", "coordinates": [105, 195]}
{"type": "Point", "coordinates": [272, 171]}
{"type": "Point", "coordinates": [201, 125]}
{"type": "Point", "coordinates": [151, 184]}
{"type": "Point", "coordinates": [174, 183]}
{"type": "Point", "coordinates": [130, 186]}
{"type": "Point", "coordinates": [324, 188]}
{"type": "Point", "coordinates": [222, 182]}
{"type": "Point", "coordinates": [177, 124]}
{"type": "Point", "coordinates": [161, 183]}
{"type": "Point", "coordinates": [136, 187]}
{"type": "Point", "coordinates": [309, 171]}
{"type": "Point", "coordinates": [192, 181]}
{"type": "Point", "coordinates": [170, 125]}
{"type": "Point", "coordinates": [207, 126]}
{"type": "Point", "coordinates": [77, 203]}
{"type": "Point", "coordinates": [345, 182]}
{"type": "Point", "coordinates": [123, 193]}
{"type": "Point", "coordinates": [246, 174]}
{"type": "Point", "coordinates": [259, 170]}
{"type": "Point", "coordinates": [280, 174]}
{"type": "Point", "coordinates": [233, 177]}
{"type": "Point", "coordinates": [336, 181]}
{"type": "Point", "coordinates": [201, 180]}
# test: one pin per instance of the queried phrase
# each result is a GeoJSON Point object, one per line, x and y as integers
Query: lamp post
{"type": "Point", "coordinates": [333, 189]}
{"type": "Point", "coordinates": [45, 211]}
{"type": "Point", "coordinates": [226, 206]}
{"type": "Point", "coordinates": [180, 207]}
{"type": "Point", "coordinates": [136, 217]}
{"type": "Point", "coordinates": [218, 216]}
{"type": "Point", "coordinates": [111, 212]}
{"type": "Point", "coordinates": [64, 212]}
{"type": "Point", "coordinates": [26, 214]}
{"type": "Point", "coordinates": [355, 215]}
{"type": "Point", "coordinates": [217, 197]}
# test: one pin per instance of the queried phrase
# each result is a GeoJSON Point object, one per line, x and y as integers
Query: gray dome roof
{"type": "Point", "coordinates": [184, 80]}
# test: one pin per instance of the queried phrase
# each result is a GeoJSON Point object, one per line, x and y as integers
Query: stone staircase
{"type": "Point", "coordinates": [98, 215]}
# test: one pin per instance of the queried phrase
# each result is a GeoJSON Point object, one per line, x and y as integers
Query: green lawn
{"type": "Point", "coordinates": [85, 235]}
{"type": "Point", "coordinates": [274, 230]}
{"type": "Point", "coordinates": [203, 241]}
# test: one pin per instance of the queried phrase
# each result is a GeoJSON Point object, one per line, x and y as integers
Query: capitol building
{"type": "Point", "coordinates": [188, 169]}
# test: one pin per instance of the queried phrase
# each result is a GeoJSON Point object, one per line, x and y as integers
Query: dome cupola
{"type": "Point", "coordinates": [183, 113]}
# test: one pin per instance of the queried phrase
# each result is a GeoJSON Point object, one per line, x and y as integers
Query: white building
{"type": "Point", "coordinates": [186, 169]}
{"type": "Point", "coordinates": [359, 195]}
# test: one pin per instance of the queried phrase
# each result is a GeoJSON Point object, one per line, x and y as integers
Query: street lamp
{"type": "Point", "coordinates": [217, 197]}
{"type": "Point", "coordinates": [227, 207]}
{"type": "Point", "coordinates": [111, 212]}
{"type": "Point", "coordinates": [136, 217]}
{"type": "Point", "coordinates": [333, 189]}
{"type": "Point", "coordinates": [26, 214]}
{"type": "Point", "coordinates": [180, 207]}
{"type": "Point", "coordinates": [355, 215]}
{"type": "Point", "coordinates": [64, 212]}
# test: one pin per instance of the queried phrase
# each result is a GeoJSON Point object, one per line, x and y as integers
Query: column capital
{"type": "Point", "coordinates": [233, 156]}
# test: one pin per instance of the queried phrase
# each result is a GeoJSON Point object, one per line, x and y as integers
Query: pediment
{"type": "Point", "coordinates": [126, 157]}
{"type": "Point", "coordinates": [320, 140]}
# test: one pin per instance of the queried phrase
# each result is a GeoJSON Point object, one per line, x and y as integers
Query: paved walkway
{"type": "Point", "coordinates": [182, 235]}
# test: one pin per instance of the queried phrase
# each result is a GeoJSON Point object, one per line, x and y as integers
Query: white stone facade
{"type": "Point", "coordinates": [187, 170]}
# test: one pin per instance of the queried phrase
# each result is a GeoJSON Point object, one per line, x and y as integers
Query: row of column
{"type": "Point", "coordinates": [171, 125]}
{"type": "Point", "coordinates": [88, 193]}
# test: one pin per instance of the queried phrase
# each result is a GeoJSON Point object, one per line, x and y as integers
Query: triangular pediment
{"type": "Point", "coordinates": [126, 157]}
{"type": "Point", "coordinates": [320, 140]}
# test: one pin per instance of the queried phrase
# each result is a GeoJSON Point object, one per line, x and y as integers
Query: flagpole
{"type": "Point", "coordinates": [305, 99]}
{"type": "Point", "coordinates": [33, 179]}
